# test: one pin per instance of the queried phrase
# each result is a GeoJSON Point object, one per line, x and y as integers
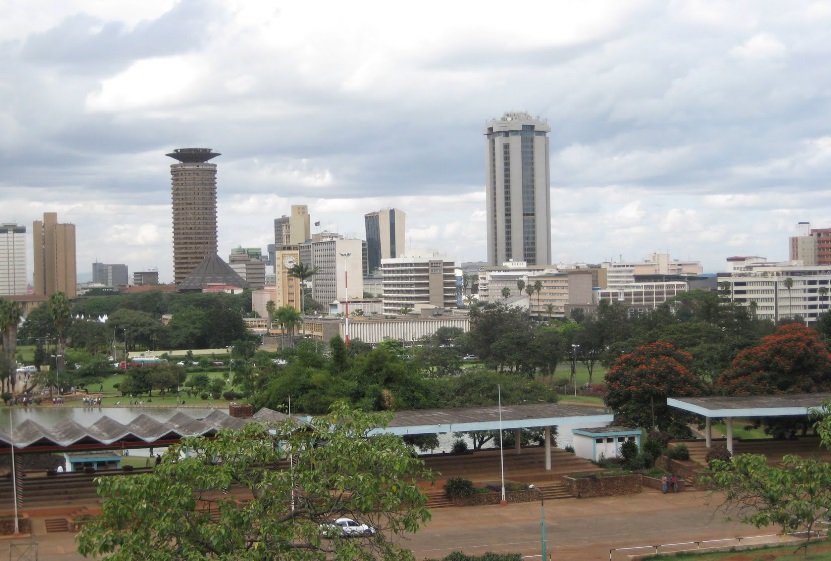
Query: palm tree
{"type": "Point", "coordinates": [788, 282]}
{"type": "Point", "coordinates": [538, 289]}
{"type": "Point", "coordinates": [59, 312]}
{"type": "Point", "coordinates": [823, 295]}
{"type": "Point", "coordinates": [549, 309]}
{"type": "Point", "coordinates": [506, 293]}
{"type": "Point", "coordinates": [10, 314]}
{"type": "Point", "coordinates": [270, 306]}
{"type": "Point", "coordinates": [529, 290]}
{"type": "Point", "coordinates": [302, 273]}
{"type": "Point", "coordinates": [520, 285]}
{"type": "Point", "coordinates": [289, 319]}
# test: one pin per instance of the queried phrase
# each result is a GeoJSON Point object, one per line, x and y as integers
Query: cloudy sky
{"type": "Point", "coordinates": [699, 128]}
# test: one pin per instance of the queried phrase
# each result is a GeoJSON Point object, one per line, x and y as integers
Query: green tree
{"type": "Point", "coordinates": [288, 318]}
{"type": "Point", "coordinates": [10, 314]}
{"type": "Point", "coordinates": [520, 285]}
{"type": "Point", "coordinates": [180, 510]}
{"type": "Point", "coordinates": [270, 307]}
{"type": "Point", "coordinates": [60, 313]}
{"type": "Point", "coordinates": [788, 282]}
{"type": "Point", "coordinates": [506, 293]}
{"type": "Point", "coordinates": [794, 494]}
{"type": "Point", "coordinates": [302, 273]}
{"type": "Point", "coordinates": [640, 382]}
{"type": "Point", "coordinates": [791, 360]}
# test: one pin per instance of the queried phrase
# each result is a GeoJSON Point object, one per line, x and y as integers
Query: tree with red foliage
{"type": "Point", "coordinates": [791, 360]}
{"type": "Point", "coordinates": [640, 382]}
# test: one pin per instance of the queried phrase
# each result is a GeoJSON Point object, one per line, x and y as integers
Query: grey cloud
{"type": "Point", "coordinates": [84, 42]}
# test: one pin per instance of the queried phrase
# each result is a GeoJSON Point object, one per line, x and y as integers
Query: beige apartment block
{"type": "Point", "coordinates": [54, 257]}
{"type": "Point", "coordinates": [193, 193]}
{"type": "Point", "coordinates": [412, 282]}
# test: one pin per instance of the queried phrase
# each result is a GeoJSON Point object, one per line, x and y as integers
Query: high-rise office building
{"type": "Point", "coordinates": [12, 259]}
{"type": "Point", "coordinates": [54, 257]}
{"type": "Point", "coordinates": [384, 236]}
{"type": "Point", "coordinates": [812, 246]}
{"type": "Point", "coordinates": [518, 194]}
{"type": "Point", "coordinates": [194, 209]}
{"type": "Point", "coordinates": [110, 274]}
{"type": "Point", "coordinates": [292, 230]}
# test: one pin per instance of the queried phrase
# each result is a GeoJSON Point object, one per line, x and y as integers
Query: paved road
{"type": "Point", "coordinates": [578, 529]}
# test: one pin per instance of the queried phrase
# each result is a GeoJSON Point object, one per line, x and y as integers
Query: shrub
{"type": "Point", "coordinates": [204, 395]}
{"type": "Point", "coordinates": [459, 446]}
{"type": "Point", "coordinates": [718, 452]}
{"type": "Point", "coordinates": [458, 487]}
{"type": "Point", "coordinates": [127, 467]}
{"type": "Point", "coordinates": [680, 452]}
{"type": "Point", "coordinates": [628, 452]}
{"type": "Point", "coordinates": [231, 395]}
{"type": "Point", "coordinates": [652, 448]}
{"type": "Point", "coordinates": [569, 448]}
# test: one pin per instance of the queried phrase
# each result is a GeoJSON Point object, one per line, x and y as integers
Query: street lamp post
{"type": "Point", "coordinates": [574, 347]}
{"type": "Point", "coordinates": [543, 542]}
{"type": "Point", "coordinates": [346, 256]}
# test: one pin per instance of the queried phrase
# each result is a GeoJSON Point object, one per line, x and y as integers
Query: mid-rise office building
{"type": "Point", "coordinates": [145, 278]}
{"type": "Point", "coordinates": [517, 190]}
{"type": "Point", "coordinates": [287, 288]}
{"type": "Point", "coordinates": [294, 229]}
{"type": "Point", "coordinates": [54, 257]}
{"type": "Point", "coordinates": [811, 246]}
{"type": "Point", "coordinates": [384, 236]}
{"type": "Point", "coordinates": [411, 283]}
{"type": "Point", "coordinates": [107, 274]}
{"type": "Point", "coordinates": [248, 264]}
{"type": "Point", "coordinates": [621, 274]}
{"type": "Point", "coordinates": [12, 259]}
{"type": "Point", "coordinates": [193, 194]}
{"type": "Point", "coordinates": [777, 291]}
{"type": "Point", "coordinates": [339, 264]}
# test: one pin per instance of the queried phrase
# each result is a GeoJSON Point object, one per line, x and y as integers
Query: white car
{"type": "Point", "coordinates": [347, 528]}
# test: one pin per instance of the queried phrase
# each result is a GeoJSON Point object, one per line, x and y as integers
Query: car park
{"type": "Point", "coordinates": [346, 528]}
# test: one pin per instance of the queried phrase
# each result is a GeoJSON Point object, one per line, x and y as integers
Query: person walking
{"type": "Point", "coordinates": [664, 484]}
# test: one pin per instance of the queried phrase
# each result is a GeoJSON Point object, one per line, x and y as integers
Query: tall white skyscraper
{"type": "Point", "coordinates": [12, 259]}
{"type": "Point", "coordinates": [384, 235]}
{"type": "Point", "coordinates": [518, 194]}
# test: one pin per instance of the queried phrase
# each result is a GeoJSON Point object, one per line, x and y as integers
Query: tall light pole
{"type": "Point", "coordinates": [543, 542]}
{"type": "Point", "coordinates": [574, 347]}
{"type": "Point", "coordinates": [346, 256]}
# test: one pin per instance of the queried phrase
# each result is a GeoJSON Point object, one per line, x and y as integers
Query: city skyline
{"type": "Point", "coordinates": [698, 129]}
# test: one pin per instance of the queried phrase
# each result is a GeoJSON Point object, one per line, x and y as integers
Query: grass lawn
{"type": "Point", "coordinates": [739, 430]}
{"type": "Point", "coordinates": [819, 551]}
{"type": "Point", "coordinates": [563, 372]}
{"type": "Point", "coordinates": [113, 397]}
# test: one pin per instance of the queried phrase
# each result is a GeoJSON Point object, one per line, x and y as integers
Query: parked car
{"type": "Point", "coordinates": [470, 357]}
{"type": "Point", "coordinates": [346, 528]}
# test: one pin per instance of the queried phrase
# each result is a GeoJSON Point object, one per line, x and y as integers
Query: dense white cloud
{"type": "Point", "coordinates": [696, 127]}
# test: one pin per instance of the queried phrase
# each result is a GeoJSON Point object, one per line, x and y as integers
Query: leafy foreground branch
{"type": "Point", "coordinates": [262, 493]}
{"type": "Point", "coordinates": [795, 495]}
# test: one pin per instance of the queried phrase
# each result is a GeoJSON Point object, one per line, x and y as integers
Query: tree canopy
{"type": "Point", "coordinates": [640, 382]}
{"type": "Point", "coordinates": [793, 359]}
{"type": "Point", "coordinates": [262, 493]}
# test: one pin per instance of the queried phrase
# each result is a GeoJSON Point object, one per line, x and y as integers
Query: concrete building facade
{"type": "Point", "coordinates": [293, 229]}
{"type": "Point", "coordinates": [108, 274]}
{"type": "Point", "coordinates": [287, 287]}
{"type": "Point", "coordinates": [811, 246]}
{"type": "Point", "coordinates": [517, 190]}
{"type": "Point", "coordinates": [145, 278]}
{"type": "Point", "coordinates": [414, 282]}
{"type": "Point", "coordinates": [54, 257]}
{"type": "Point", "coordinates": [777, 291]}
{"type": "Point", "coordinates": [385, 231]}
{"type": "Point", "coordinates": [193, 194]}
{"type": "Point", "coordinates": [339, 264]}
{"type": "Point", "coordinates": [12, 259]}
